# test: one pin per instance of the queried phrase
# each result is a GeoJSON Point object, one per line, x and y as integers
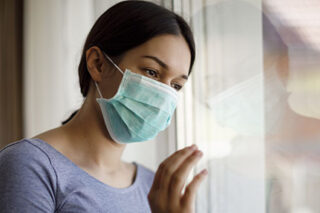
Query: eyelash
{"type": "Point", "coordinates": [148, 73]}
{"type": "Point", "coordinates": [179, 87]}
{"type": "Point", "coordinates": [157, 75]}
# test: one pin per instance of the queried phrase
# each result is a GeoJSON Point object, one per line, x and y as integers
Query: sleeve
{"type": "Point", "coordinates": [27, 180]}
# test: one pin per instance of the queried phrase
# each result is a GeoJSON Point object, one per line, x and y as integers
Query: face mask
{"type": "Point", "coordinates": [253, 107]}
{"type": "Point", "coordinates": [141, 108]}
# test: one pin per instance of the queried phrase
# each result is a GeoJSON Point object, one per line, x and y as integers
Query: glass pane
{"type": "Point", "coordinates": [292, 50]}
{"type": "Point", "coordinates": [252, 104]}
{"type": "Point", "coordinates": [223, 109]}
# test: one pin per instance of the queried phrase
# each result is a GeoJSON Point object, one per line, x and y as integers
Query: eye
{"type": "Point", "coordinates": [176, 86]}
{"type": "Point", "coordinates": [151, 73]}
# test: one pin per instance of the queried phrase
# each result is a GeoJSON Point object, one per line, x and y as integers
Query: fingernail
{"type": "Point", "coordinates": [198, 153]}
{"type": "Point", "coordinates": [204, 172]}
{"type": "Point", "coordinates": [193, 147]}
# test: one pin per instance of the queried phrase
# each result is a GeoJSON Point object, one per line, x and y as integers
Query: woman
{"type": "Point", "coordinates": [135, 59]}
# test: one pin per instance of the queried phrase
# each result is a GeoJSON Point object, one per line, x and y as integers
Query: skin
{"type": "Point", "coordinates": [86, 141]}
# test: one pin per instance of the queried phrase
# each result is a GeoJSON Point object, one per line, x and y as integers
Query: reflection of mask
{"type": "Point", "coordinates": [141, 108]}
{"type": "Point", "coordinates": [248, 106]}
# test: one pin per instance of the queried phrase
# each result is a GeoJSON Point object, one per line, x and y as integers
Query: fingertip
{"type": "Point", "coordinates": [204, 172]}
{"type": "Point", "coordinates": [193, 147]}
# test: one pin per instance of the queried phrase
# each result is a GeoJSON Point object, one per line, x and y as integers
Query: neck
{"type": "Point", "coordinates": [91, 140]}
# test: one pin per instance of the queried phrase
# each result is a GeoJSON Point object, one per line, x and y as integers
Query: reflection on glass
{"type": "Point", "coordinates": [254, 105]}
{"type": "Point", "coordinates": [228, 106]}
{"type": "Point", "coordinates": [293, 175]}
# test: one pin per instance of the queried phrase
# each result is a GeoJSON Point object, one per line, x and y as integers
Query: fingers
{"type": "Point", "coordinates": [191, 190]}
{"type": "Point", "coordinates": [179, 177]}
{"type": "Point", "coordinates": [167, 167]}
{"type": "Point", "coordinates": [172, 164]}
{"type": "Point", "coordinates": [170, 178]}
{"type": "Point", "coordinates": [180, 155]}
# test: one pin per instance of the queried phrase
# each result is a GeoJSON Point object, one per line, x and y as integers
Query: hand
{"type": "Point", "coordinates": [166, 195]}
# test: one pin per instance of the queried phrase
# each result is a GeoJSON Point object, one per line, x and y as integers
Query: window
{"type": "Point", "coordinates": [252, 104]}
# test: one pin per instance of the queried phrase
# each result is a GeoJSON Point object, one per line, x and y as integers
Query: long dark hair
{"type": "Point", "coordinates": [129, 24]}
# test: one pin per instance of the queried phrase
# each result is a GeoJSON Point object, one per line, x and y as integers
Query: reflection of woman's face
{"type": "Point", "coordinates": [281, 62]}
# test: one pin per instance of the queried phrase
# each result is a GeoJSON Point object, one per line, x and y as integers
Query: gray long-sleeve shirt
{"type": "Point", "coordinates": [35, 177]}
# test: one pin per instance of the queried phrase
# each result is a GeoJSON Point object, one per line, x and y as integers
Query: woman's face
{"type": "Point", "coordinates": [165, 58]}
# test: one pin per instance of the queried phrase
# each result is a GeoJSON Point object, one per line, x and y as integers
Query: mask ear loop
{"type": "Point", "coordinates": [98, 89]}
{"type": "Point", "coordinates": [115, 66]}
{"type": "Point", "coordinates": [113, 63]}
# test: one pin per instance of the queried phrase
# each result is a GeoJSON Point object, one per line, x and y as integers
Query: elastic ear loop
{"type": "Point", "coordinates": [98, 89]}
{"type": "Point", "coordinates": [114, 65]}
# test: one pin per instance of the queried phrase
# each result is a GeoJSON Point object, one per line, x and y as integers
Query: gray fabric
{"type": "Point", "coordinates": [35, 177]}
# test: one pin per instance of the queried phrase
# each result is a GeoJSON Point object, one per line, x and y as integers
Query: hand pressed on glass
{"type": "Point", "coordinates": [166, 192]}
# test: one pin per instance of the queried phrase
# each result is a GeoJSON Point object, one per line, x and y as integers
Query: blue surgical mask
{"type": "Point", "coordinates": [252, 107]}
{"type": "Point", "coordinates": [141, 108]}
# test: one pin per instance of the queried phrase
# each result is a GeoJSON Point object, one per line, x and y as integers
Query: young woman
{"type": "Point", "coordinates": [136, 58]}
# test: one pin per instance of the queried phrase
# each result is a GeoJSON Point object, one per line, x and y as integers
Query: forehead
{"type": "Point", "coordinates": [173, 50]}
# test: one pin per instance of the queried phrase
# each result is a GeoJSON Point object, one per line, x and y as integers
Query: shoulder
{"type": "Point", "coordinates": [26, 156]}
{"type": "Point", "coordinates": [27, 178]}
{"type": "Point", "coordinates": [146, 176]}
{"type": "Point", "coordinates": [146, 171]}
{"type": "Point", "coordinates": [24, 149]}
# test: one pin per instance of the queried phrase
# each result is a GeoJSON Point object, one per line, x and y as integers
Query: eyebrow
{"type": "Point", "coordinates": [162, 64]}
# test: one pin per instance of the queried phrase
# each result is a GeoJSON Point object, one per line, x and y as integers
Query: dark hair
{"type": "Point", "coordinates": [129, 24]}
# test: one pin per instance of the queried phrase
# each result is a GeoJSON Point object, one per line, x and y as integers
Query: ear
{"type": "Point", "coordinates": [95, 61]}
